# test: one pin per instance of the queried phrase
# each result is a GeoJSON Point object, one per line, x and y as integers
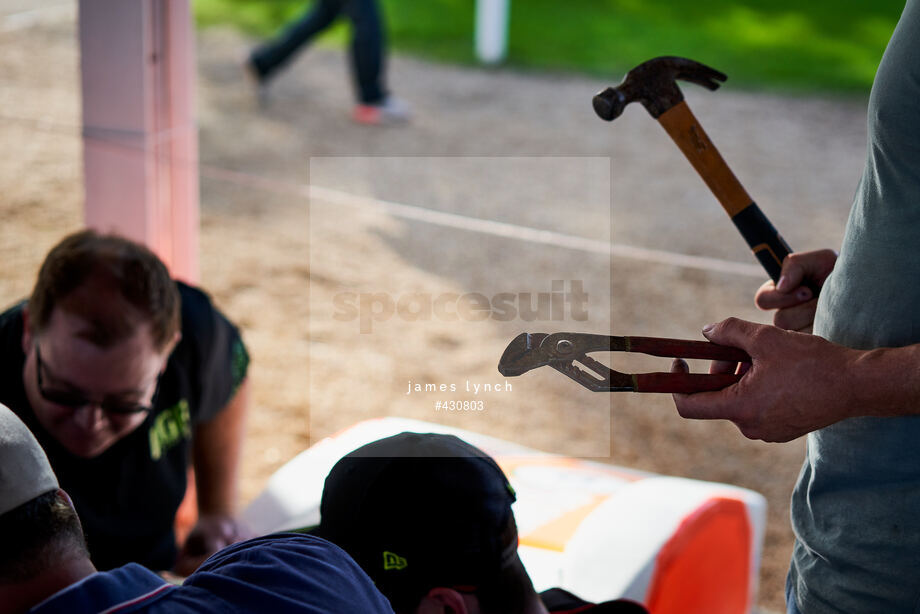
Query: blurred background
{"type": "Point", "coordinates": [818, 46]}
{"type": "Point", "coordinates": [514, 142]}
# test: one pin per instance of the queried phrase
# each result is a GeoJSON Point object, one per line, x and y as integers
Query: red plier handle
{"type": "Point", "coordinates": [568, 354]}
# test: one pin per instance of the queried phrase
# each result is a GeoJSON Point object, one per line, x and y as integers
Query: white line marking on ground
{"type": "Point", "coordinates": [534, 235]}
{"type": "Point", "coordinates": [490, 227]}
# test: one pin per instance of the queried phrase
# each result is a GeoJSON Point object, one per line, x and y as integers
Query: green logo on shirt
{"type": "Point", "coordinates": [169, 428]}
{"type": "Point", "coordinates": [393, 561]}
{"type": "Point", "coordinates": [239, 363]}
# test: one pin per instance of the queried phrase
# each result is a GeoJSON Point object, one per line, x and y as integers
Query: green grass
{"type": "Point", "coordinates": [797, 45]}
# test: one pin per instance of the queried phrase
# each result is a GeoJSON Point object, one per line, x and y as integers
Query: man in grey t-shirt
{"type": "Point", "coordinates": [853, 385]}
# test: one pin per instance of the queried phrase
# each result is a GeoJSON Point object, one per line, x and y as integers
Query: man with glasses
{"type": "Point", "coordinates": [127, 377]}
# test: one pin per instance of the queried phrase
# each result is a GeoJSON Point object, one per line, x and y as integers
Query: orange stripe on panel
{"type": "Point", "coordinates": [556, 534]}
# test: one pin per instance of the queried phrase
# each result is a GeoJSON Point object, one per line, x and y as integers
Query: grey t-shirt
{"type": "Point", "coordinates": [856, 507]}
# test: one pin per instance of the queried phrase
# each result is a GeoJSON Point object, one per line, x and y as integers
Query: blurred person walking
{"type": "Point", "coordinates": [368, 47]}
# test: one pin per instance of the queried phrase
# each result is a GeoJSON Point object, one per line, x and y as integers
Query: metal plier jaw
{"type": "Point", "coordinates": [561, 351]}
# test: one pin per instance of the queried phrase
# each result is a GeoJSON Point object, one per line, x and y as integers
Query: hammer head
{"type": "Point", "coordinates": [653, 83]}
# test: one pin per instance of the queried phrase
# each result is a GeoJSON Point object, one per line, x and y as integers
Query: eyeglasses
{"type": "Point", "coordinates": [76, 400]}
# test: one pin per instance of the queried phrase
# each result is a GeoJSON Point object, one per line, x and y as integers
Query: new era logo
{"type": "Point", "coordinates": [393, 561]}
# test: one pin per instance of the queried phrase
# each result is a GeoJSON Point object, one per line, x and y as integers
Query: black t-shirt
{"type": "Point", "coordinates": [127, 496]}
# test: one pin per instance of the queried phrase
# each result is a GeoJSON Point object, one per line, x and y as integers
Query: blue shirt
{"type": "Point", "coordinates": [279, 574]}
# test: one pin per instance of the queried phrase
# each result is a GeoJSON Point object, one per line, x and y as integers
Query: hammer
{"type": "Point", "coordinates": [653, 83]}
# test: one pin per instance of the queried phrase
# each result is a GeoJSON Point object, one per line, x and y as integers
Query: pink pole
{"type": "Point", "coordinates": [140, 141]}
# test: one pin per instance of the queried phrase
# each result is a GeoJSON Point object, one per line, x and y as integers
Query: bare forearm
{"type": "Point", "coordinates": [216, 455]}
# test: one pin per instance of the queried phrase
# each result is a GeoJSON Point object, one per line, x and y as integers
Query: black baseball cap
{"type": "Point", "coordinates": [421, 510]}
{"type": "Point", "coordinates": [560, 601]}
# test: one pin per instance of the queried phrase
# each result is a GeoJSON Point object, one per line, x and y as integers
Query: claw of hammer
{"type": "Point", "coordinates": [652, 84]}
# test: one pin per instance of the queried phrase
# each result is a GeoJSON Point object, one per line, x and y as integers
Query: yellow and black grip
{"type": "Point", "coordinates": [768, 246]}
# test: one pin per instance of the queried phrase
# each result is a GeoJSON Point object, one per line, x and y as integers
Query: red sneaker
{"type": "Point", "coordinates": [389, 111]}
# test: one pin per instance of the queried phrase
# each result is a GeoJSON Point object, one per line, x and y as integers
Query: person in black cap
{"type": "Point", "coordinates": [429, 518]}
{"type": "Point", "coordinates": [45, 566]}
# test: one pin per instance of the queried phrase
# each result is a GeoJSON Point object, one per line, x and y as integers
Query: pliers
{"type": "Point", "coordinates": [562, 350]}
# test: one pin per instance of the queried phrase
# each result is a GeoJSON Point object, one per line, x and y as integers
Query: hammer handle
{"type": "Point", "coordinates": [763, 239]}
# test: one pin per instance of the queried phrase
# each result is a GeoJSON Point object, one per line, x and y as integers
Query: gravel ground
{"type": "Point", "coordinates": [523, 149]}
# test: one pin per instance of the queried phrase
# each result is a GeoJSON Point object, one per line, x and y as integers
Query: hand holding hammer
{"type": "Point", "coordinates": [653, 83]}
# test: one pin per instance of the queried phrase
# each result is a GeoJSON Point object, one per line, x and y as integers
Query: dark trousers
{"type": "Point", "coordinates": [366, 50]}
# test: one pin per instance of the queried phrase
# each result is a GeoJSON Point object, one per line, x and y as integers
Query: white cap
{"type": "Point", "coordinates": [25, 472]}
